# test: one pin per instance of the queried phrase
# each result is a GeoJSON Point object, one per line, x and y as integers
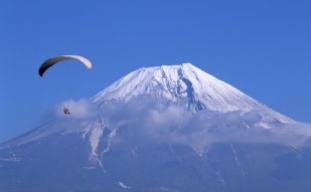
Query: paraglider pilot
{"type": "Point", "coordinates": [66, 111]}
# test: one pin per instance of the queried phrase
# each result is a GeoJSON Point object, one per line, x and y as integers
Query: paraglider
{"type": "Point", "coordinates": [55, 60]}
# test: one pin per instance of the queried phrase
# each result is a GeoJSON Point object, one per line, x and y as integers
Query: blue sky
{"type": "Point", "coordinates": [261, 47]}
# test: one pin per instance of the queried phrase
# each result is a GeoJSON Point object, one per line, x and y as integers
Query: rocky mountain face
{"type": "Point", "coordinates": [168, 128]}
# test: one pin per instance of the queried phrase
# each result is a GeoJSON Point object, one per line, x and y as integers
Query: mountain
{"type": "Point", "coordinates": [167, 128]}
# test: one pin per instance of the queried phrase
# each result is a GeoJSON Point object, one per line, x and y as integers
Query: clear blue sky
{"type": "Point", "coordinates": [261, 47]}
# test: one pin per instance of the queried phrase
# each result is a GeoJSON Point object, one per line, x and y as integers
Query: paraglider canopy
{"type": "Point", "coordinates": [54, 60]}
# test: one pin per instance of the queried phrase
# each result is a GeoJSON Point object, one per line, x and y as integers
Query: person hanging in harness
{"type": "Point", "coordinates": [66, 111]}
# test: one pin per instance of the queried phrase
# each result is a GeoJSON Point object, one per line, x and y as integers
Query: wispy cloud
{"type": "Point", "coordinates": [82, 108]}
{"type": "Point", "coordinates": [146, 120]}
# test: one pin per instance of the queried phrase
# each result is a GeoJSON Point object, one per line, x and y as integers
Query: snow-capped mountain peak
{"type": "Point", "coordinates": [184, 84]}
{"type": "Point", "coordinates": [178, 83]}
{"type": "Point", "coordinates": [187, 85]}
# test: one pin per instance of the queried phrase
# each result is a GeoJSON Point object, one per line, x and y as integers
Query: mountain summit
{"type": "Point", "coordinates": [183, 83]}
{"type": "Point", "coordinates": [189, 86]}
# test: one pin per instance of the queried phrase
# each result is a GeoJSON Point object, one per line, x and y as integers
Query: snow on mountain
{"type": "Point", "coordinates": [187, 85]}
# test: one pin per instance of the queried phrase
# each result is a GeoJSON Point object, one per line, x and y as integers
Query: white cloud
{"type": "Point", "coordinates": [146, 121]}
{"type": "Point", "coordinates": [81, 109]}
